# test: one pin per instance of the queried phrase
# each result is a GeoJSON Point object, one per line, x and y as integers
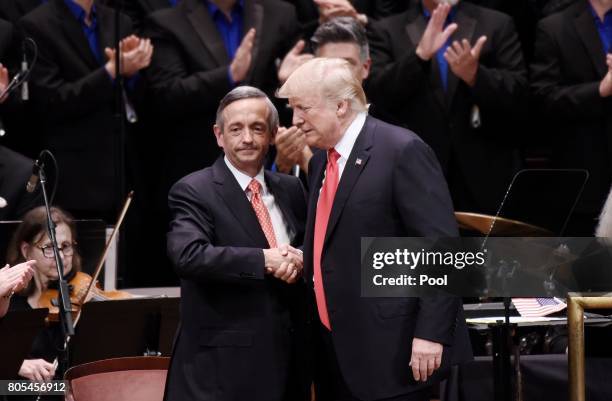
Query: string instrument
{"type": "Point", "coordinates": [83, 287]}
{"type": "Point", "coordinates": [78, 291]}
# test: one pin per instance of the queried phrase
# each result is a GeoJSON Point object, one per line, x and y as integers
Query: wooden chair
{"type": "Point", "coordinates": [119, 379]}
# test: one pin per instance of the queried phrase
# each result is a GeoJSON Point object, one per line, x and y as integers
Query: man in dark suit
{"type": "Point", "coordinates": [572, 87]}
{"type": "Point", "coordinates": [139, 10]}
{"type": "Point", "coordinates": [377, 180]}
{"type": "Point", "coordinates": [203, 49]}
{"type": "Point", "coordinates": [73, 91]}
{"type": "Point", "coordinates": [228, 241]}
{"type": "Point", "coordinates": [456, 77]}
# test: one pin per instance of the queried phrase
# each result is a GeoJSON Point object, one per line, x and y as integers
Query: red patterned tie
{"type": "Point", "coordinates": [261, 211]}
{"type": "Point", "coordinates": [324, 206]}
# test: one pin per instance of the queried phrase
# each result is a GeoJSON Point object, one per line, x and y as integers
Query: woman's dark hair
{"type": "Point", "coordinates": [32, 228]}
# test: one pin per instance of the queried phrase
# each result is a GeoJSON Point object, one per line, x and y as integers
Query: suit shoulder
{"type": "Point", "coordinates": [17, 162]}
{"type": "Point", "coordinates": [193, 181]}
{"type": "Point", "coordinates": [40, 13]}
{"type": "Point", "coordinates": [390, 23]}
{"type": "Point", "coordinates": [560, 19]}
{"type": "Point", "coordinates": [481, 13]}
{"type": "Point", "coordinates": [279, 7]}
{"type": "Point", "coordinates": [286, 180]}
{"type": "Point", "coordinates": [166, 17]}
{"type": "Point", "coordinates": [5, 28]}
{"type": "Point", "coordinates": [394, 135]}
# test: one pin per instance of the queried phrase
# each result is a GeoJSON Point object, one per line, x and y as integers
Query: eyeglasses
{"type": "Point", "coordinates": [67, 249]}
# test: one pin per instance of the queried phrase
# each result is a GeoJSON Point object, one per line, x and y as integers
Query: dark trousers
{"type": "Point", "coordinates": [328, 379]}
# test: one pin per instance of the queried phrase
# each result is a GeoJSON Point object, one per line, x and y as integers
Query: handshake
{"type": "Point", "coordinates": [285, 263]}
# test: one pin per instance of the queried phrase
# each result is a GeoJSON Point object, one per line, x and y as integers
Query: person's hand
{"type": "Point", "coordinates": [463, 59]}
{"type": "Point", "coordinates": [293, 60]}
{"type": "Point", "coordinates": [329, 9]}
{"type": "Point", "coordinates": [37, 370]}
{"type": "Point", "coordinates": [135, 55]}
{"type": "Point", "coordinates": [426, 357]}
{"type": "Point", "coordinates": [241, 63]}
{"type": "Point", "coordinates": [435, 35]}
{"type": "Point", "coordinates": [16, 278]}
{"type": "Point", "coordinates": [4, 82]}
{"type": "Point", "coordinates": [605, 86]}
{"type": "Point", "coordinates": [290, 143]}
{"type": "Point", "coordinates": [129, 43]}
{"type": "Point", "coordinates": [284, 263]}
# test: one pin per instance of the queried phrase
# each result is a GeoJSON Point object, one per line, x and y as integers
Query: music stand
{"type": "Point", "coordinates": [537, 203]}
{"type": "Point", "coordinates": [17, 332]}
{"type": "Point", "coordinates": [113, 329]}
{"type": "Point", "coordinates": [170, 318]}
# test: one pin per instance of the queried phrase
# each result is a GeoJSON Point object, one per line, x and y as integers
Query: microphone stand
{"type": "Point", "coordinates": [63, 298]}
{"type": "Point", "coordinates": [120, 137]}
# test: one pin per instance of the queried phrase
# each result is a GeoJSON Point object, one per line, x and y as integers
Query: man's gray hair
{"type": "Point", "coordinates": [247, 92]}
{"type": "Point", "coordinates": [342, 30]}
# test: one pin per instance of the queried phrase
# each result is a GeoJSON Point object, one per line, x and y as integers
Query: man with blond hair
{"type": "Point", "coordinates": [372, 179]}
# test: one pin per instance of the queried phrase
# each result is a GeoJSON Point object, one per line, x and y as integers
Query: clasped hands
{"type": "Point", "coordinates": [285, 263]}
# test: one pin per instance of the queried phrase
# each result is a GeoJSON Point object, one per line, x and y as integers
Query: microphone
{"type": "Point", "coordinates": [25, 91]}
{"type": "Point", "coordinates": [33, 181]}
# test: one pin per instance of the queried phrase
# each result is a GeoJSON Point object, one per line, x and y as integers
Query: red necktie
{"type": "Point", "coordinates": [324, 206]}
{"type": "Point", "coordinates": [261, 211]}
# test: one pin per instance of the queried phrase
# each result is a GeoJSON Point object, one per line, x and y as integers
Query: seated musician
{"type": "Point", "coordinates": [31, 242]}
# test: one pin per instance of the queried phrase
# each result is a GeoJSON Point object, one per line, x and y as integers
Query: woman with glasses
{"type": "Point", "coordinates": [31, 242]}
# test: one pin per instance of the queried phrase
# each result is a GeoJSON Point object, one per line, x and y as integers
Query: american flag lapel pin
{"type": "Point", "coordinates": [358, 162]}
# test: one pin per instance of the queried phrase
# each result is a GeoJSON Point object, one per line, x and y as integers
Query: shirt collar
{"type": "Point", "coordinates": [79, 12]}
{"type": "Point", "coordinates": [607, 15]}
{"type": "Point", "coordinates": [345, 146]}
{"type": "Point", "coordinates": [213, 9]}
{"type": "Point", "coordinates": [243, 179]}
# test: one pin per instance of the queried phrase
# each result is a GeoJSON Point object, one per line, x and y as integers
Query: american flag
{"type": "Point", "coordinates": [536, 307]}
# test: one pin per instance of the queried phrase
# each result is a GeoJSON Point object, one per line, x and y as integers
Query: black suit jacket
{"type": "Point", "coordinates": [15, 170]}
{"type": "Point", "coordinates": [139, 10]}
{"type": "Point", "coordinates": [237, 324]}
{"type": "Point", "coordinates": [481, 161]}
{"type": "Point", "coordinates": [74, 98]}
{"type": "Point", "coordinates": [189, 74]}
{"type": "Point", "coordinates": [13, 10]}
{"type": "Point", "coordinates": [397, 190]}
{"type": "Point", "coordinates": [568, 65]}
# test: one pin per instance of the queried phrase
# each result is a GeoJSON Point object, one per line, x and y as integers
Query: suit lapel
{"type": "Point", "coordinates": [237, 202]}
{"type": "Point", "coordinates": [587, 31]}
{"type": "Point", "coordinates": [352, 171]}
{"type": "Point", "coordinates": [414, 29]}
{"type": "Point", "coordinates": [466, 27]}
{"type": "Point", "coordinates": [207, 32]}
{"type": "Point", "coordinates": [74, 33]}
{"type": "Point", "coordinates": [253, 18]}
{"type": "Point", "coordinates": [281, 197]}
{"type": "Point", "coordinates": [154, 5]}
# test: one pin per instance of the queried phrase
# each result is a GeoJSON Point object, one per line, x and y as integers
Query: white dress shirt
{"type": "Point", "coordinates": [344, 147]}
{"type": "Point", "coordinates": [281, 228]}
